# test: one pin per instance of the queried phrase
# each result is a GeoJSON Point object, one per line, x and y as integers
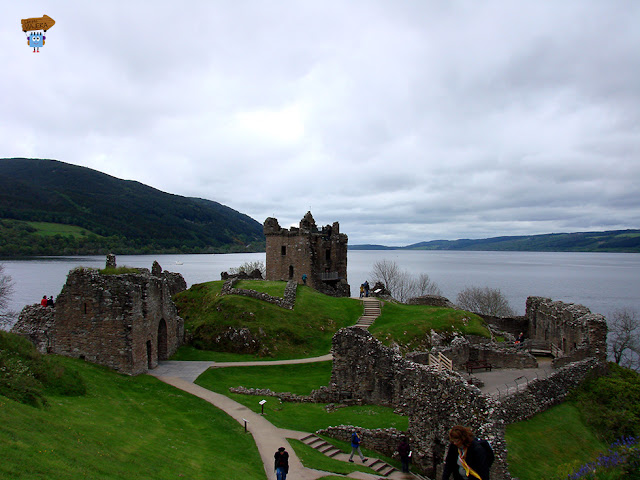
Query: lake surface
{"type": "Point", "coordinates": [603, 282]}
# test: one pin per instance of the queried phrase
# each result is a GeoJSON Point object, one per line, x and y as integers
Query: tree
{"type": "Point", "coordinates": [486, 301]}
{"type": "Point", "coordinates": [624, 338]}
{"type": "Point", "coordinates": [401, 284]}
{"type": "Point", "coordinates": [248, 267]}
{"type": "Point", "coordinates": [6, 289]}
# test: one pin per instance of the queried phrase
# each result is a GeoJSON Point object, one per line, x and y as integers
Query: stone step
{"type": "Point", "coordinates": [383, 468]}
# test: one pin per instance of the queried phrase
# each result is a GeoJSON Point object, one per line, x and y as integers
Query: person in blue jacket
{"type": "Point", "coordinates": [468, 458]}
{"type": "Point", "coordinates": [355, 447]}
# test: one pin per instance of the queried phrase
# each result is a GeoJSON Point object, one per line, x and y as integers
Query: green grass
{"type": "Point", "coordinates": [275, 289]}
{"type": "Point", "coordinates": [547, 445]}
{"type": "Point", "coordinates": [300, 379]}
{"type": "Point", "coordinates": [50, 229]}
{"type": "Point", "coordinates": [305, 331]}
{"type": "Point", "coordinates": [118, 270]}
{"type": "Point", "coordinates": [410, 325]}
{"type": "Point", "coordinates": [123, 428]}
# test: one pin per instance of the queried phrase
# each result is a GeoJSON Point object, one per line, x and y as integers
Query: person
{"type": "Point", "coordinates": [50, 301]}
{"type": "Point", "coordinates": [405, 454]}
{"type": "Point", "coordinates": [366, 288]}
{"type": "Point", "coordinates": [43, 302]}
{"type": "Point", "coordinates": [520, 339]}
{"type": "Point", "coordinates": [281, 463]}
{"type": "Point", "coordinates": [304, 278]}
{"type": "Point", "coordinates": [355, 447]}
{"type": "Point", "coordinates": [468, 457]}
{"type": "Point", "coordinates": [361, 290]}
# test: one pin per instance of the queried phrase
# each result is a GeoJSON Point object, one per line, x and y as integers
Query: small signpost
{"type": "Point", "coordinates": [262, 402]}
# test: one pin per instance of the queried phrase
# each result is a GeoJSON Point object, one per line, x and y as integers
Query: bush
{"type": "Point", "coordinates": [611, 404]}
{"type": "Point", "coordinates": [26, 375]}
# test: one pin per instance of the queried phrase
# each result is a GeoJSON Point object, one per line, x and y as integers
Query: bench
{"type": "Point", "coordinates": [472, 365]}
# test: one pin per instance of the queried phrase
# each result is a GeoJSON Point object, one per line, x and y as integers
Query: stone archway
{"type": "Point", "coordinates": [162, 340]}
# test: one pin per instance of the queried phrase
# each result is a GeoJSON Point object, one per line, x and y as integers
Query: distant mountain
{"type": "Point", "coordinates": [138, 218]}
{"type": "Point", "coordinates": [609, 241]}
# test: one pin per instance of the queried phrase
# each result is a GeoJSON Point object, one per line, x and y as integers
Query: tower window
{"type": "Point", "coordinates": [283, 250]}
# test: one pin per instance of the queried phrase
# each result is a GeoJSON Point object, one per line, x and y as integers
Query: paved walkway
{"type": "Point", "coordinates": [268, 438]}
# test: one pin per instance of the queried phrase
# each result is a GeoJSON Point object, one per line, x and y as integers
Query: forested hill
{"type": "Point", "coordinates": [609, 241]}
{"type": "Point", "coordinates": [104, 213]}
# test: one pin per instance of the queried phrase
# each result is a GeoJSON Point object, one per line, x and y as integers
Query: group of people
{"type": "Point", "coordinates": [47, 302]}
{"type": "Point", "coordinates": [468, 457]}
{"type": "Point", "coordinates": [364, 289]}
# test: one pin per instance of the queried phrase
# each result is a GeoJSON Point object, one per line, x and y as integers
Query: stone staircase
{"type": "Point", "coordinates": [380, 467]}
{"type": "Point", "coordinates": [319, 444]}
{"type": "Point", "coordinates": [371, 312]}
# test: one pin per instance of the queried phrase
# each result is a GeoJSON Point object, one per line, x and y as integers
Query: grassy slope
{"type": "Point", "coordinates": [409, 325]}
{"type": "Point", "coordinates": [546, 445]}
{"type": "Point", "coordinates": [305, 331]}
{"type": "Point", "coordinates": [125, 427]}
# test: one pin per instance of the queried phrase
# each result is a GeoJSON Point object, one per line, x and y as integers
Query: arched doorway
{"type": "Point", "coordinates": [162, 340]}
{"type": "Point", "coordinates": [149, 355]}
{"type": "Point", "coordinates": [290, 272]}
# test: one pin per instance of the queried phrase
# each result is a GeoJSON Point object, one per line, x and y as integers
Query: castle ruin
{"type": "Point", "coordinates": [127, 322]}
{"type": "Point", "coordinates": [310, 256]}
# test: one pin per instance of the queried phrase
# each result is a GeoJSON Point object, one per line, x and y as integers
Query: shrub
{"type": "Point", "coordinates": [26, 375]}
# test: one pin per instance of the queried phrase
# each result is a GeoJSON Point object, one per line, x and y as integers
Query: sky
{"type": "Point", "coordinates": [404, 121]}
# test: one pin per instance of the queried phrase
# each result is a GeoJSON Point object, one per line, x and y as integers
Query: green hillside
{"type": "Point", "coordinates": [609, 241]}
{"type": "Point", "coordinates": [108, 212]}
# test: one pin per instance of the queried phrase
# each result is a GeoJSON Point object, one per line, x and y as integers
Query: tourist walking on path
{"type": "Point", "coordinates": [405, 454]}
{"type": "Point", "coordinates": [366, 288]}
{"type": "Point", "coordinates": [468, 457]}
{"type": "Point", "coordinates": [43, 302]}
{"type": "Point", "coordinates": [355, 447]}
{"type": "Point", "coordinates": [281, 463]}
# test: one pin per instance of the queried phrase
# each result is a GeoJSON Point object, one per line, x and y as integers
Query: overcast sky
{"type": "Point", "coordinates": [405, 121]}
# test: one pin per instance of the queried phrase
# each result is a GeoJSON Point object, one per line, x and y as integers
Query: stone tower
{"type": "Point", "coordinates": [320, 255]}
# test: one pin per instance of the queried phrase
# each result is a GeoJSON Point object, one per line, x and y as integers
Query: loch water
{"type": "Point", "coordinates": [603, 282]}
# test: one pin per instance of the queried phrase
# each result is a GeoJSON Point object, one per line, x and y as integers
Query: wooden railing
{"type": "Point", "coordinates": [329, 276]}
{"type": "Point", "coordinates": [440, 361]}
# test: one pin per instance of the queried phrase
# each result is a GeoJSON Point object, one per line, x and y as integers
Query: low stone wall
{"type": "Point", "coordinates": [542, 394]}
{"type": "Point", "coordinates": [288, 302]}
{"type": "Point", "coordinates": [512, 325]}
{"type": "Point", "coordinates": [383, 440]}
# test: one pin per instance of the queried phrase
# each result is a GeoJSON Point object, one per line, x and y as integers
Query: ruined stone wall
{"type": "Point", "coordinates": [542, 394]}
{"type": "Point", "coordinates": [383, 440]}
{"type": "Point", "coordinates": [573, 328]}
{"type": "Point", "coordinates": [434, 401]}
{"type": "Point", "coordinates": [288, 301]}
{"type": "Point", "coordinates": [512, 325]}
{"type": "Point", "coordinates": [127, 322]}
{"type": "Point", "coordinates": [321, 255]}
{"type": "Point", "coordinates": [34, 323]}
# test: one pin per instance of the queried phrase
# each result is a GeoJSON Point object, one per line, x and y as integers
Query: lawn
{"type": "Point", "coordinates": [551, 444]}
{"type": "Point", "coordinates": [300, 379]}
{"type": "Point", "coordinates": [123, 428]}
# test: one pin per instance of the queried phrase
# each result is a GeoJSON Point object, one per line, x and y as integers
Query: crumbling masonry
{"type": "Point", "coordinates": [127, 322]}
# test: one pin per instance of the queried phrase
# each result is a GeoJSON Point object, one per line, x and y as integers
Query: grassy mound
{"type": "Point", "coordinates": [410, 325]}
{"type": "Point", "coordinates": [28, 377]}
{"type": "Point", "coordinates": [267, 330]}
{"type": "Point", "coordinates": [123, 428]}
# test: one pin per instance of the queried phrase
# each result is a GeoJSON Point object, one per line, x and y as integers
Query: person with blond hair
{"type": "Point", "coordinates": [468, 457]}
